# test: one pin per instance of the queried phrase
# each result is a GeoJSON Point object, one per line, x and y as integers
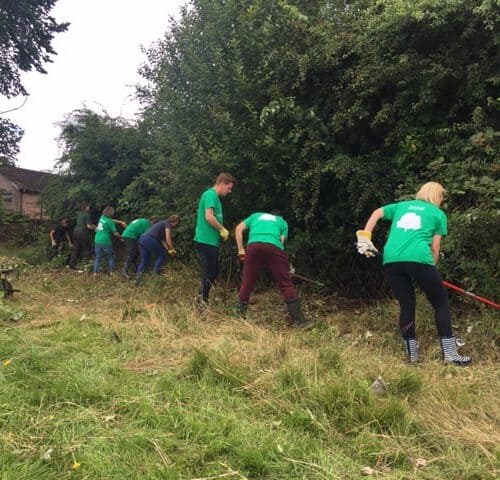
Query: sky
{"type": "Point", "coordinates": [95, 66]}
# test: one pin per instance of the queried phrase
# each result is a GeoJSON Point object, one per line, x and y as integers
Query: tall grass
{"type": "Point", "coordinates": [102, 380]}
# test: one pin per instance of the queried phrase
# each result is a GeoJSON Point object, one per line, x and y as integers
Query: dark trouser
{"type": "Point", "coordinates": [150, 247]}
{"type": "Point", "coordinates": [400, 277]}
{"type": "Point", "coordinates": [209, 260]}
{"type": "Point", "coordinates": [131, 250]}
{"type": "Point", "coordinates": [259, 255]}
{"type": "Point", "coordinates": [81, 248]}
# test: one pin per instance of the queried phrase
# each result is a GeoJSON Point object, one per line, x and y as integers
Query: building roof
{"type": "Point", "coordinates": [26, 180]}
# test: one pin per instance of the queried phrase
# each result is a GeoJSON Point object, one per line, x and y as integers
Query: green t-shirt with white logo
{"type": "Point", "coordinates": [136, 228]}
{"type": "Point", "coordinates": [204, 232]}
{"type": "Point", "coordinates": [414, 223]}
{"type": "Point", "coordinates": [266, 228]}
{"type": "Point", "coordinates": [104, 230]}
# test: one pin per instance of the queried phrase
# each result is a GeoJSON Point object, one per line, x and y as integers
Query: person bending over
{"type": "Point", "coordinates": [265, 249]}
{"type": "Point", "coordinates": [410, 255]}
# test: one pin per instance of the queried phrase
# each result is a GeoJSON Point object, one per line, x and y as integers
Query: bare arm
{"type": "Point", "coordinates": [282, 239]}
{"type": "Point", "coordinates": [117, 235]}
{"type": "Point", "coordinates": [119, 222]}
{"type": "Point", "coordinates": [239, 236]}
{"type": "Point", "coordinates": [374, 218]}
{"type": "Point", "coordinates": [168, 239]}
{"type": "Point", "coordinates": [70, 243]}
{"type": "Point", "coordinates": [435, 247]}
{"type": "Point", "coordinates": [212, 220]}
{"type": "Point", "coordinates": [52, 239]}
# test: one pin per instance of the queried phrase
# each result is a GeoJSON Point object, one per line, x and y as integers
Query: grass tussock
{"type": "Point", "coordinates": [100, 379]}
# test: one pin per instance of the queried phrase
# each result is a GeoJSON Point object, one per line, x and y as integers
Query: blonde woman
{"type": "Point", "coordinates": [410, 255]}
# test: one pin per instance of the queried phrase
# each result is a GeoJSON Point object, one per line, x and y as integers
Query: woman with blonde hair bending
{"type": "Point", "coordinates": [410, 255]}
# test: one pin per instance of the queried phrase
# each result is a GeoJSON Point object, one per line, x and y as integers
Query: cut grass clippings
{"type": "Point", "coordinates": [102, 380]}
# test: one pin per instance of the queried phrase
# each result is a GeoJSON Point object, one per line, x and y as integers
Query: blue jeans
{"type": "Point", "coordinates": [106, 250]}
{"type": "Point", "coordinates": [149, 246]}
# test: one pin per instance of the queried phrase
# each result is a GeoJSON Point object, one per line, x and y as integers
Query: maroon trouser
{"type": "Point", "coordinates": [264, 255]}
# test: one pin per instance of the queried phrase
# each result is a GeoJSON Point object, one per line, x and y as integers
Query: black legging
{"type": "Point", "coordinates": [209, 260]}
{"type": "Point", "coordinates": [400, 277]}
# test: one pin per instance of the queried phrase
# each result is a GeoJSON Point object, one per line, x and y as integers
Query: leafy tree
{"type": "Point", "coordinates": [26, 34]}
{"type": "Point", "coordinates": [101, 156]}
{"type": "Point", "coordinates": [10, 136]}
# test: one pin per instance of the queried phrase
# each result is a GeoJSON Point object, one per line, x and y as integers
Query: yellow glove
{"type": "Point", "coordinates": [224, 234]}
{"type": "Point", "coordinates": [172, 252]}
{"type": "Point", "coordinates": [364, 245]}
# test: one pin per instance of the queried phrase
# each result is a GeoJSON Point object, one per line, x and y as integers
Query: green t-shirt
{"type": "Point", "coordinates": [82, 220]}
{"type": "Point", "coordinates": [204, 232]}
{"type": "Point", "coordinates": [104, 230]}
{"type": "Point", "coordinates": [136, 228]}
{"type": "Point", "coordinates": [414, 223]}
{"type": "Point", "coordinates": [266, 228]}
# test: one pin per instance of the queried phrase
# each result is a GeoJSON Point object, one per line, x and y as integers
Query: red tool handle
{"type": "Point", "coordinates": [472, 295]}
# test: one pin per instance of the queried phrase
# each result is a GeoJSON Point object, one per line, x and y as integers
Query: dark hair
{"type": "Point", "coordinates": [276, 211]}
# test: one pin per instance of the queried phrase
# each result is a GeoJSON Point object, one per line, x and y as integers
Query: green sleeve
{"type": "Point", "coordinates": [388, 211]}
{"type": "Point", "coordinates": [112, 226]}
{"type": "Point", "coordinates": [210, 199]}
{"type": "Point", "coordinates": [284, 229]}
{"type": "Point", "coordinates": [442, 227]}
{"type": "Point", "coordinates": [248, 220]}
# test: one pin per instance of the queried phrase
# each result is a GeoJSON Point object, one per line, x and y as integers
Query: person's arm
{"type": "Point", "coordinates": [119, 222]}
{"type": "Point", "coordinates": [239, 238]}
{"type": "Point", "coordinates": [117, 235]}
{"type": "Point", "coordinates": [364, 237]}
{"type": "Point", "coordinates": [212, 220]}
{"type": "Point", "coordinates": [52, 239]}
{"type": "Point", "coordinates": [435, 247]}
{"type": "Point", "coordinates": [374, 218]}
{"type": "Point", "coordinates": [168, 240]}
{"type": "Point", "coordinates": [282, 239]}
{"type": "Point", "coordinates": [68, 238]}
{"type": "Point", "coordinates": [91, 226]}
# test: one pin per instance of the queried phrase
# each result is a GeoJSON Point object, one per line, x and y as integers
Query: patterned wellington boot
{"type": "Point", "coordinates": [450, 354]}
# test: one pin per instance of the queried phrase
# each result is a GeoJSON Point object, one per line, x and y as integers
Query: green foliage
{"type": "Point", "coordinates": [324, 109]}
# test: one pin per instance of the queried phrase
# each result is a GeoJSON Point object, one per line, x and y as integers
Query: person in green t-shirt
{"type": "Point", "coordinates": [103, 245]}
{"type": "Point", "coordinates": [410, 255]}
{"type": "Point", "coordinates": [131, 236]}
{"type": "Point", "coordinates": [267, 235]}
{"type": "Point", "coordinates": [82, 235]}
{"type": "Point", "coordinates": [209, 231]}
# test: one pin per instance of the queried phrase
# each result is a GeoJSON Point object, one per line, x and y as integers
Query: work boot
{"type": "Point", "coordinates": [298, 320]}
{"type": "Point", "coordinates": [450, 354]}
{"type": "Point", "coordinates": [240, 309]}
{"type": "Point", "coordinates": [411, 348]}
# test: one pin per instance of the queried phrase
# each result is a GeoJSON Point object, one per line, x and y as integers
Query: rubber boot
{"type": "Point", "coordinates": [240, 309]}
{"type": "Point", "coordinates": [450, 354]}
{"type": "Point", "coordinates": [411, 348]}
{"type": "Point", "coordinates": [298, 320]}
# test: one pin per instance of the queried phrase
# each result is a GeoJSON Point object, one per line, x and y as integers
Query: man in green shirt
{"type": "Point", "coordinates": [209, 231]}
{"type": "Point", "coordinates": [267, 235]}
{"type": "Point", "coordinates": [131, 236]}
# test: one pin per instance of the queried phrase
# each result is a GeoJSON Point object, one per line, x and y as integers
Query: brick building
{"type": "Point", "coordinates": [20, 191]}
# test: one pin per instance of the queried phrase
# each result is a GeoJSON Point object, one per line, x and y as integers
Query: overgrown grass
{"type": "Point", "coordinates": [102, 380]}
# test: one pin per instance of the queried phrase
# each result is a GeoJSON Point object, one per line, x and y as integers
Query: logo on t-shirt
{"type": "Point", "coordinates": [100, 226]}
{"type": "Point", "coordinates": [268, 217]}
{"type": "Point", "coordinates": [409, 221]}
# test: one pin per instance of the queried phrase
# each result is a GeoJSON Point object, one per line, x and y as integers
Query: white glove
{"type": "Point", "coordinates": [364, 245]}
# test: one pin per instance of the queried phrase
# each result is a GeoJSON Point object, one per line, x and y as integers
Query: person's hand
{"type": "Point", "coordinates": [54, 243]}
{"type": "Point", "coordinates": [364, 244]}
{"type": "Point", "coordinates": [241, 254]}
{"type": "Point", "coordinates": [172, 252]}
{"type": "Point", "coordinates": [224, 234]}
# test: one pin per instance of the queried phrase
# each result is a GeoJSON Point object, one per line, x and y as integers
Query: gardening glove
{"type": "Point", "coordinates": [224, 234]}
{"type": "Point", "coordinates": [241, 254]}
{"type": "Point", "coordinates": [364, 245]}
{"type": "Point", "coordinates": [172, 252]}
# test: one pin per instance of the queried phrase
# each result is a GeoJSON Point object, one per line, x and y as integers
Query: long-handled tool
{"type": "Point", "coordinates": [470, 294]}
{"type": "Point", "coordinates": [449, 285]}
